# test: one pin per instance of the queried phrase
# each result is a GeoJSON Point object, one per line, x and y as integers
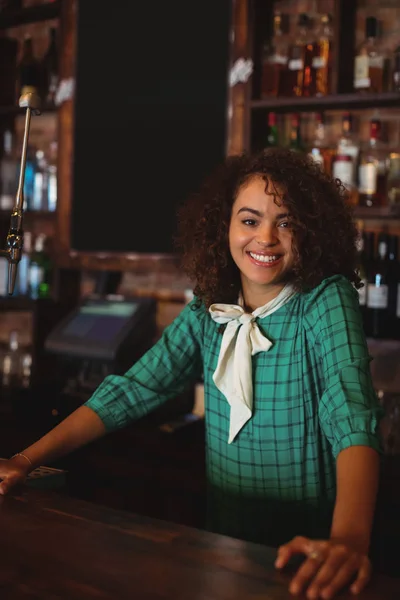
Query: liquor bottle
{"type": "Point", "coordinates": [378, 289]}
{"type": "Point", "coordinates": [8, 173]}
{"type": "Point", "coordinates": [29, 180]}
{"type": "Point", "coordinates": [321, 151]}
{"type": "Point", "coordinates": [12, 364]}
{"type": "Point", "coordinates": [393, 178]}
{"type": "Point", "coordinates": [343, 169]}
{"type": "Point", "coordinates": [295, 141]}
{"type": "Point", "coordinates": [369, 61]}
{"type": "Point", "coordinates": [275, 60]}
{"type": "Point", "coordinates": [322, 59]}
{"type": "Point", "coordinates": [23, 267]}
{"type": "Point", "coordinates": [49, 67]}
{"type": "Point", "coordinates": [40, 270]}
{"type": "Point", "coordinates": [394, 288]}
{"type": "Point", "coordinates": [347, 143]}
{"type": "Point", "coordinates": [372, 172]}
{"type": "Point", "coordinates": [298, 78]}
{"type": "Point", "coordinates": [272, 136]}
{"type": "Point", "coordinates": [28, 69]}
{"type": "Point", "coordinates": [40, 182]}
{"type": "Point", "coordinates": [345, 164]}
{"type": "Point", "coordinates": [362, 271]}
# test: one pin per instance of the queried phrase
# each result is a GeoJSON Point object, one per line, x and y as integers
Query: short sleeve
{"type": "Point", "coordinates": [349, 410]}
{"type": "Point", "coordinates": [164, 371]}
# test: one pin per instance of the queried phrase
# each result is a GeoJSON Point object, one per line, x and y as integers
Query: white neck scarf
{"type": "Point", "coordinates": [242, 339]}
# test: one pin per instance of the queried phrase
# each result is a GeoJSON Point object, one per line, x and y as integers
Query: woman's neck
{"type": "Point", "coordinates": [255, 298]}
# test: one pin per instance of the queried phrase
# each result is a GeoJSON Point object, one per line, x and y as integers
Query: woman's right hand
{"type": "Point", "coordinates": [13, 472]}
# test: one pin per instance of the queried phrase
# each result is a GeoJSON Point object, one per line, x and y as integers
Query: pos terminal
{"type": "Point", "coordinates": [102, 335]}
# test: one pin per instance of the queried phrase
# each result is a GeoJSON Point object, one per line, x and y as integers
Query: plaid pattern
{"type": "Point", "coordinates": [313, 397]}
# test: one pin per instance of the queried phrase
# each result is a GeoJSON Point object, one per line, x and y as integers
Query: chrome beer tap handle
{"type": "Point", "coordinates": [15, 236]}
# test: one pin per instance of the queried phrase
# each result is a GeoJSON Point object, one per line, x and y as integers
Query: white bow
{"type": "Point", "coordinates": [241, 340]}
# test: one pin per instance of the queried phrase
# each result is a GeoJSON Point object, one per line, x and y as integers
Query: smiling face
{"type": "Point", "coordinates": [260, 242]}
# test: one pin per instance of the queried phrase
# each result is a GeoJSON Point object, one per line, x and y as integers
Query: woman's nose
{"type": "Point", "coordinates": [266, 236]}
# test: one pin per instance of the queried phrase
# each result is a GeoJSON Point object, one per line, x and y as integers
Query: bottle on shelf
{"type": "Point", "coordinates": [393, 179]}
{"type": "Point", "coordinates": [347, 143]}
{"type": "Point", "coordinates": [372, 172]}
{"type": "Point", "coordinates": [378, 289]}
{"type": "Point", "coordinates": [23, 267]}
{"type": "Point", "coordinates": [365, 249]}
{"type": "Point", "coordinates": [345, 163]}
{"type": "Point", "coordinates": [298, 77]}
{"type": "Point", "coordinates": [40, 270]}
{"type": "Point", "coordinates": [321, 151]}
{"type": "Point", "coordinates": [275, 58]}
{"type": "Point", "coordinates": [369, 63]}
{"type": "Point", "coordinates": [29, 180]}
{"type": "Point", "coordinates": [322, 58]}
{"type": "Point", "coordinates": [272, 135]}
{"type": "Point", "coordinates": [8, 173]}
{"type": "Point", "coordinates": [295, 140]}
{"type": "Point", "coordinates": [28, 69]}
{"type": "Point", "coordinates": [40, 182]}
{"type": "Point", "coordinates": [49, 68]}
{"type": "Point", "coordinates": [11, 372]}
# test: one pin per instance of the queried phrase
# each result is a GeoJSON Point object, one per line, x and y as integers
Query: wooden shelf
{"type": "Point", "coordinates": [32, 14]}
{"type": "Point", "coordinates": [333, 101]}
{"type": "Point", "coordinates": [392, 211]}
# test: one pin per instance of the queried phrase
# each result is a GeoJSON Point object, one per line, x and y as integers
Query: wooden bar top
{"type": "Point", "coordinates": [55, 547]}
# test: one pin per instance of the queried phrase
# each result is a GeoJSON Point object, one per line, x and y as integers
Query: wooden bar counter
{"type": "Point", "coordinates": [55, 547]}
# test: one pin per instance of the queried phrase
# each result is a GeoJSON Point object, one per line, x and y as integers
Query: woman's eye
{"type": "Point", "coordinates": [249, 222]}
{"type": "Point", "coordinates": [284, 224]}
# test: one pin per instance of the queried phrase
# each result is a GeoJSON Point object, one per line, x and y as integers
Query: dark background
{"type": "Point", "coordinates": [151, 114]}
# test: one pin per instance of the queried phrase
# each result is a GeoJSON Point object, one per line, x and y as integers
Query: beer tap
{"type": "Point", "coordinates": [15, 236]}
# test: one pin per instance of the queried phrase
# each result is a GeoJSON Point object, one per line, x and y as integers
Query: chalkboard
{"type": "Point", "coordinates": [150, 117]}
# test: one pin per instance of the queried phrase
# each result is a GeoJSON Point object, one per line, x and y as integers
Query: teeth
{"type": "Point", "coordinates": [263, 258]}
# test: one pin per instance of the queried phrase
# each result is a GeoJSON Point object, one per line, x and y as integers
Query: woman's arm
{"type": "Point", "coordinates": [79, 428]}
{"type": "Point", "coordinates": [357, 476]}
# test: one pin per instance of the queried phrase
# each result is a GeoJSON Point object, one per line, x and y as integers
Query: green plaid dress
{"type": "Point", "coordinates": [313, 397]}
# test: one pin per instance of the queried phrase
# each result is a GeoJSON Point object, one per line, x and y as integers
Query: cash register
{"type": "Point", "coordinates": [102, 335]}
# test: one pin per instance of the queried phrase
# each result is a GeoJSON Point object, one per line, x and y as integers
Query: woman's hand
{"type": "Point", "coordinates": [329, 567]}
{"type": "Point", "coordinates": [12, 473]}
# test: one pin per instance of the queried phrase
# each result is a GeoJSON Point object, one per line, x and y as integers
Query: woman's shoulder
{"type": "Point", "coordinates": [331, 290]}
{"type": "Point", "coordinates": [334, 298]}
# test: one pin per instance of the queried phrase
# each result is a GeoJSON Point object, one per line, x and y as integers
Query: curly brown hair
{"type": "Point", "coordinates": [324, 231]}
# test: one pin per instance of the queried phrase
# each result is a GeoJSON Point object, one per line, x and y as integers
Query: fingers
{"type": "Point", "coordinates": [363, 577]}
{"type": "Point", "coordinates": [337, 571]}
{"type": "Point", "coordinates": [298, 545]}
{"type": "Point", "coordinates": [328, 568]}
{"type": "Point", "coordinates": [307, 572]}
{"type": "Point", "coordinates": [9, 479]}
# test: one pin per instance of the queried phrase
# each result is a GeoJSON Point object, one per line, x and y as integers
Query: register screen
{"type": "Point", "coordinates": [100, 322]}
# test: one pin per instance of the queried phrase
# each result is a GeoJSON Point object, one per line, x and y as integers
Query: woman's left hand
{"type": "Point", "coordinates": [329, 567]}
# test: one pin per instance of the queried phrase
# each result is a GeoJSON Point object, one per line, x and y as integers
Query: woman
{"type": "Point", "coordinates": [275, 329]}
